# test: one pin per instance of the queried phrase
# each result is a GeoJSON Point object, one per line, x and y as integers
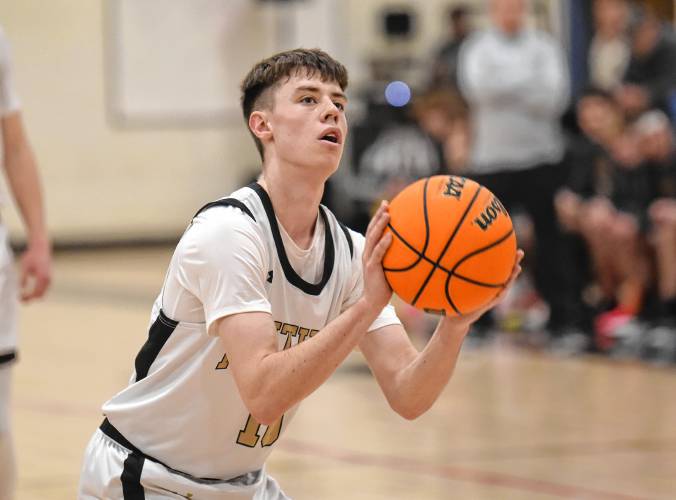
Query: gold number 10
{"type": "Point", "coordinates": [249, 435]}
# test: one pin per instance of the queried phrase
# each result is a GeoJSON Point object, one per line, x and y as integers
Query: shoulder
{"type": "Point", "coordinates": [477, 41]}
{"type": "Point", "coordinates": [542, 39]}
{"type": "Point", "coordinates": [221, 230]}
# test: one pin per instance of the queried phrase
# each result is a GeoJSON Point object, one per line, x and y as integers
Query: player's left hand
{"type": "Point", "coordinates": [465, 321]}
{"type": "Point", "coordinates": [36, 271]}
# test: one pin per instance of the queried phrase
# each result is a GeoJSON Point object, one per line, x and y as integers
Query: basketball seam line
{"type": "Point", "coordinates": [480, 250]}
{"type": "Point", "coordinates": [450, 272]}
{"type": "Point", "coordinates": [475, 282]}
{"type": "Point", "coordinates": [448, 295]}
{"type": "Point", "coordinates": [421, 255]}
{"type": "Point", "coordinates": [475, 252]}
{"type": "Point", "coordinates": [448, 244]}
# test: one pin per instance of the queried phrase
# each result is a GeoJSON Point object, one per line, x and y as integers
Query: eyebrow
{"type": "Point", "coordinates": [312, 88]}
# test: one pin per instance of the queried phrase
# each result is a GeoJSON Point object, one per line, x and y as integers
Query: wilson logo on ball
{"type": "Point", "coordinates": [454, 187]}
{"type": "Point", "coordinates": [490, 213]}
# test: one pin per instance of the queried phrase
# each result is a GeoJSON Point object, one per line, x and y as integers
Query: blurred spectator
{"type": "Point", "coordinates": [445, 64]}
{"type": "Point", "coordinates": [651, 74]}
{"type": "Point", "coordinates": [388, 151]}
{"type": "Point", "coordinates": [442, 113]}
{"type": "Point", "coordinates": [517, 85]}
{"type": "Point", "coordinates": [400, 155]}
{"type": "Point", "coordinates": [620, 169]}
{"type": "Point", "coordinates": [609, 49]}
{"type": "Point", "coordinates": [658, 146]}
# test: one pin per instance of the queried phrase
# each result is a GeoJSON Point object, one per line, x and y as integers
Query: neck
{"type": "Point", "coordinates": [295, 196]}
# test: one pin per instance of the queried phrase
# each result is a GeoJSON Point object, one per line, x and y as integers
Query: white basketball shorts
{"type": "Point", "coordinates": [9, 300]}
{"type": "Point", "coordinates": [111, 471]}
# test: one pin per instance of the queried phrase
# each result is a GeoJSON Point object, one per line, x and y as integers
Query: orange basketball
{"type": "Point", "coordinates": [453, 245]}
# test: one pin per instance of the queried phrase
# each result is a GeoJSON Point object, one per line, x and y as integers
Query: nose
{"type": "Point", "coordinates": [330, 111]}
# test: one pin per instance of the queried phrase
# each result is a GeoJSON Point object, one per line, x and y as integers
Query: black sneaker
{"type": "Point", "coordinates": [660, 343]}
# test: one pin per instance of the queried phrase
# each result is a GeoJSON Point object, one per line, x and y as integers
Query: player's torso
{"type": "Point", "coordinates": [183, 406]}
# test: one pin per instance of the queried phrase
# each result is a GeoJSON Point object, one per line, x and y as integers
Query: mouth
{"type": "Point", "coordinates": [331, 136]}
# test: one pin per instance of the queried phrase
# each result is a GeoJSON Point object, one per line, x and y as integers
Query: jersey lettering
{"type": "Point", "coordinates": [223, 363]}
{"type": "Point", "coordinates": [249, 436]}
{"type": "Point", "coordinates": [287, 329]}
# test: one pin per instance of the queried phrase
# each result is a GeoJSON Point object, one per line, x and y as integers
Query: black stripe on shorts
{"type": "Point", "coordinates": [131, 477]}
{"type": "Point", "coordinates": [7, 357]}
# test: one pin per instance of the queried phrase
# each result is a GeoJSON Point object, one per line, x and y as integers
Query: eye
{"type": "Point", "coordinates": [308, 100]}
{"type": "Point", "coordinates": [340, 105]}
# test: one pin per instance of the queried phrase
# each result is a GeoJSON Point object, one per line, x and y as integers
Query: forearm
{"type": "Point", "coordinates": [23, 178]}
{"type": "Point", "coordinates": [24, 182]}
{"type": "Point", "coordinates": [284, 378]}
{"type": "Point", "coordinates": [497, 89]}
{"type": "Point", "coordinates": [484, 82]}
{"type": "Point", "coordinates": [419, 384]}
{"type": "Point", "coordinates": [544, 101]}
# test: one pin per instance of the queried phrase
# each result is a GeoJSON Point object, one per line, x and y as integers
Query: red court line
{"type": "Point", "coordinates": [450, 472]}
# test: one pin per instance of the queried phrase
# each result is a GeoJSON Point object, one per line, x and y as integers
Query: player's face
{"type": "Point", "coordinates": [308, 123]}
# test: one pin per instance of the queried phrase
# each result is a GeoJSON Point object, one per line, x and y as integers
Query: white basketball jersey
{"type": "Point", "coordinates": [9, 100]}
{"type": "Point", "coordinates": [182, 406]}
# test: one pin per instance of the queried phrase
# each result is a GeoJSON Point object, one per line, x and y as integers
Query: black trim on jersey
{"type": "Point", "coordinates": [348, 236]}
{"type": "Point", "coordinates": [131, 477]}
{"type": "Point", "coordinates": [158, 335]}
{"type": "Point", "coordinates": [7, 357]}
{"type": "Point", "coordinates": [111, 431]}
{"type": "Point", "coordinates": [290, 274]}
{"type": "Point", "coordinates": [227, 202]}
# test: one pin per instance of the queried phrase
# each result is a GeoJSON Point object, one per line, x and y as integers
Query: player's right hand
{"type": "Point", "coordinates": [377, 291]}
{"type": "Point", "coordinates": [36, 271]}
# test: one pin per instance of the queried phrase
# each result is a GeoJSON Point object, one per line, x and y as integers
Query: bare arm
{"type": "Point", "coordinates": [24, 182]}
{"type": "Point", "coordinates": [262, 373]}
{"type": "Point", "coordinates": [412, 381]}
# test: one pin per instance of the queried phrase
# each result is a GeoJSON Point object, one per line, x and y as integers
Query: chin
{"type": "Point", "coordinates": [328, 167]}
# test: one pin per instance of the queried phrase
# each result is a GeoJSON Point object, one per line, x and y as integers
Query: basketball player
{"type": "Point", "coordinates": [35, 268]}
{"type": "Point", "coordinates": [266, 294]}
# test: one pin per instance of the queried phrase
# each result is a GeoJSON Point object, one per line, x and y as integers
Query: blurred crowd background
{"type": "Point", "coordinates": [576, 141]}
{"type": "Point", "coordinates": [564, 109]}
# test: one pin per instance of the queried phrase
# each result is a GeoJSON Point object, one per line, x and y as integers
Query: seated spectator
{"type": "Point", "coordinates": [606, 204]}
{"type": "Point", "coordinates": [651, 74]}
{"type": "Point", "coordinates": [442, 113]}
{"type": "Point", "coordinates": [659, 148]}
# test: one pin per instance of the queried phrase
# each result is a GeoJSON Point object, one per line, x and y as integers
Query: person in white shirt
{"type": "Point", "coordinates": [516, 82]}
{"type": "Point", "coordinates": [609, 50]}
{"type": "Point", "coordinates": [35, 264]}
{"type": "Point", "coordinates": [265, 296]}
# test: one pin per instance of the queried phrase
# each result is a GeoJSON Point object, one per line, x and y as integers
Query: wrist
{"type": "Point", "coordinates": [39, 240]}
{"type": "Point", "coordinates": [364, 309]}
{"type": "Point", "coordinates": [454, 327]}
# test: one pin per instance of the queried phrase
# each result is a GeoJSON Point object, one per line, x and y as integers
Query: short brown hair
{"type": "Point", "coordinates": [269, 72]}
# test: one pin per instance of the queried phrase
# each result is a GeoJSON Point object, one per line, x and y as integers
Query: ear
{"type": "Point", "coordinates": [259, 125]}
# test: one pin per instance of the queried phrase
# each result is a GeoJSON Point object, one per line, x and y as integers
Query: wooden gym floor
{"type": "Point", "coordinates": [511, 424]}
